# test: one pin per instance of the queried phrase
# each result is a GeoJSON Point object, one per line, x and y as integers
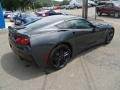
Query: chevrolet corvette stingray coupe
{"type": "Point", "coordinates": [52, 41]}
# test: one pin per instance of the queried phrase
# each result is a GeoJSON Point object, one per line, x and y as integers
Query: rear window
{"type": "Point", "coordinates": [39, 24]}
{"type": "Point", "coordinates": [109, 4]}
{"type": "Point", "coordinates": [43, 22]}
{"type": "Point", "coordinates": [7, 12]}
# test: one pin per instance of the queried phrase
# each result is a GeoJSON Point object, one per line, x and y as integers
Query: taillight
{"type": "Point", "coordinates": [44, 14]}
{"type": "Point", "coordinates": [24, 41]}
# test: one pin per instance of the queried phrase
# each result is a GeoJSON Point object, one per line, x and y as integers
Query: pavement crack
{"type": "Point", "coordinates": [88, 75]}
{"type": "Point", "coordinates": [45, 79]}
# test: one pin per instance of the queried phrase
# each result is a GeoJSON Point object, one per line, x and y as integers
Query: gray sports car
{"type": "Point", "coordinates": [54, 40]}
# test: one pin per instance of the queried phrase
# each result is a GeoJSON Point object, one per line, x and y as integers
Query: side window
{"type": "Point", "coordinates": [75, 24]}
{"type": "Point", "coordinates": [82, 24]}
{"type": "Point", "coordinates": [62, 25]}
{"type": "Point", "coordinates": [51, 12]}
{"type": "Point", "coordinates": [109, 5]}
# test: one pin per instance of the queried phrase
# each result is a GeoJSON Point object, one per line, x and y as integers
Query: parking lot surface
{"type": "Point", "coordinates": [95, 69]}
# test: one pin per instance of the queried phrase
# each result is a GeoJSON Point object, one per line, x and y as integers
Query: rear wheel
{"type": "Point", "coordinates": [99, 13]}
{"type": "Point", "coordinates": [60, 56]}
{"type": "Point", "coordinates": [116, 14]}
{"type": "Point", "coordinates": [109, 36]}
{"type": "Point", "coordinates": [21, 58]}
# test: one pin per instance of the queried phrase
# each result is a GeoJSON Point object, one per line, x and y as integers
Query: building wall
{"type": "Point", "coordinates": [76, 2]}
{"type": "Point", "coordinates": [2, 22]}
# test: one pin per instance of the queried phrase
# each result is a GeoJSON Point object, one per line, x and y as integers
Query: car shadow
{"type": "Point", "coordinates": [20, 69]}
{"type": "Point", "coordinates": [26, 70]}
{"type": "Point", "coordinates": [88, 50]}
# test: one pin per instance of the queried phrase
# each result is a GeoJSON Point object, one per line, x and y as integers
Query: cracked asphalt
{"type": "Point", "coordinates": [97, 68]}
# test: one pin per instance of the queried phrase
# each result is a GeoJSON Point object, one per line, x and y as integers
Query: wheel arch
{"type": "Point", "coordinates": [56, 46]}
{"type": "Point", "coordinates": [64, 43]}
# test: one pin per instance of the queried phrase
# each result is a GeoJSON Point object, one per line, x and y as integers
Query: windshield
{"type": "Point", "coordinates": [116, 3]}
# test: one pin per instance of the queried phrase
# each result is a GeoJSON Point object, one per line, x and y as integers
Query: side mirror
{"type": "Point", "coordinates": [93, 26]}
{"type": "Point", "coordinates": [95, 29]}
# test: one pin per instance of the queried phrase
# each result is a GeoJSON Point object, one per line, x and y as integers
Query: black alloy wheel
{"type": "Point", "coordinates": [109, 36]}
{"type": "Point", "coordinates": [17, 23]}
{"type": "Point", "coordinates": [60, 56]}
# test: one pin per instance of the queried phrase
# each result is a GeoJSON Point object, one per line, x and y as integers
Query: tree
{"type": "Point", "coordinates": [23, 4]}
{"type": "Point", "coordinates": [15, 4]}
{"type": "Point", "coordinates": [65, 2]}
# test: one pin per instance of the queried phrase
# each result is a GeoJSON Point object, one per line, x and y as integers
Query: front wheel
{"type": "Point", "coordinates": [109, 36]}
{"type": "Point", "coordinates": [21, 58]}
{"type": "Point", "coordinates": [17, 22]}
{"type": "Point", "coordinates": [60, 56]}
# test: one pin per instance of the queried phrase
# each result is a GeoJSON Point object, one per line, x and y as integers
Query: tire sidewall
{"type": "Point", "coordinates": [52, 53]}
{"type": "Point", "coordinates": [106, 40]}
{"type": "Point", "coordinates": [17, 23]}
{"type": "Point", "coordinates": [117, 14]}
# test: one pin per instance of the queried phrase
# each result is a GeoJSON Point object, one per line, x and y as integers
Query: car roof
{"type": "Point", "coordinates": [61, 17]}
{"type": "Point", "coordinates": [46, 21]}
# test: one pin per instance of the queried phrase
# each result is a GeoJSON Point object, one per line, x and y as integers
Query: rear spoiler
{"type": "Point", "coordinates": [15, 30]}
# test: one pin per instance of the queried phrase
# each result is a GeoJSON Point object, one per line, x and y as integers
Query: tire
{"type": "Point", "coordinates": [60, 56]}
{"type": "Point", "coordinates": [109, 36]}
{"type": "Point", "coordinates": [22, 23]}
{"type": "Point", "coordinates": [116, 14]}
{"type": "Point", "coordinates": [99, 13]}
{"type": "Point", "coordinates": [21, 58]}
{"type": "Point", "coordinates": [92, 5]}
{"type": "Point", "coordinates": [17, 23]}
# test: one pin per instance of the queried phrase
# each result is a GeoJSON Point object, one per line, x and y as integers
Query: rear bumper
{"type": "Point", "coordinates": [29, 55]}
{"type": "Point", "coordinates": [21, 53]}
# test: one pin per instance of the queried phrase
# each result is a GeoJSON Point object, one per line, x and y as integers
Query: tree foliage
{"type": "Point", "coordinates": [65, 2]}
{"type": "Point", "coordinates": [23, 4]}
{"type": "Point", "coordinates": [15, 4]}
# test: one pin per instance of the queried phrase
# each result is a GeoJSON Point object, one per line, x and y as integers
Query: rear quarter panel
{"type": "Point", "coordinates": [43, 44]}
